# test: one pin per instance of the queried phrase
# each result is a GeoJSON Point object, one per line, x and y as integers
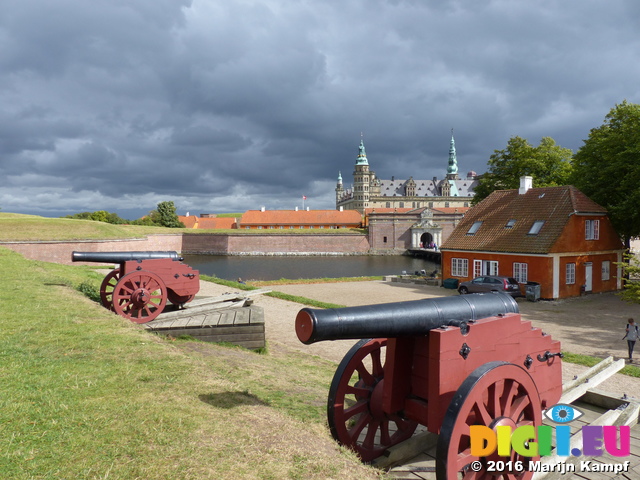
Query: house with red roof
{"type": "Point", "coordinates": [554, 236]}
{"type": "Point", "coordinates": [300, 219]}
{"type": "Point", "coordinates": [208, 222]}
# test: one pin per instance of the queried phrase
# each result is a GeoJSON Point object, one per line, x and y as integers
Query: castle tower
{"type": "Point", "coordinates": [339, 189]}
{"type": "Point", "coordinates": [452, 167]}
{"type": "Point", "coordinates": [361, 179]}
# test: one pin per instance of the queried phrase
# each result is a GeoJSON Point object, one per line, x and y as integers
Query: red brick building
{"type": "Point", "coordinates": [300, 219]}
{"type": "Point", "coordinates": [555, 236]}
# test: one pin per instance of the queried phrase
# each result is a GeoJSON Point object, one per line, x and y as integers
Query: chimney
{"type": "Point", "coordinates": [262, 209]}
{"type": "Point", "coordinates": [341, 208]}
{"type": "Point", "coordinates": [307, 209]}
{"type": "Point", "coordinates": [296, 209]}
{"type": "Point", "coordinates": [526, 182]}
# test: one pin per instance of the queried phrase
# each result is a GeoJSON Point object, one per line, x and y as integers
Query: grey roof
{"type": "Point", "coordinates": [425, 188]}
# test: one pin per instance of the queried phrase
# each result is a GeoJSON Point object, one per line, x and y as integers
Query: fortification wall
{"type": "Point", "coordinates": [213, 244]}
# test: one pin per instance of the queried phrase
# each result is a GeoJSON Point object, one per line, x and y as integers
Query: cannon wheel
{"type": "Point", "coordinates": [179, 299]}
{"type": "Point", "coordinates": [107, 287]}
{"type": "Point", "coordinates": [354, 412]}
{"type": "Point", "coordinates": [496, 393]}
{"type": "Point", "coordinates": [139, 296]}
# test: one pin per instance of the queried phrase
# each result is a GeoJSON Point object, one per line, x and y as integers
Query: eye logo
{"type": "Point", "coordinates": [562, 413]}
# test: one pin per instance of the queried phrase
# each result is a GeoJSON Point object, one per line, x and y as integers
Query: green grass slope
{"type": "Point", "coordinates": [86, 394]}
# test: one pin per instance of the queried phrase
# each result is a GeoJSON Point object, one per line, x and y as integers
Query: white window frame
{"type": "Point", "coordinates": [477, 268]}
{"type": "Point", "coordinates": [606, 270]}
{"type": "Point", "coordinates": [493, 267]}
{"type": "Point", "coordinates": [521, 272]}
{"type": "Point", "coordinates": [592, 229]}
{"type": "Point", "coordinates": [570, 274]}
{"type": "Point", "coordinates": [459, 267]}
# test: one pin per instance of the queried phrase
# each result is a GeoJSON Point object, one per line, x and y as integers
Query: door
{"type": "Point", "coordinates": [588, 277]}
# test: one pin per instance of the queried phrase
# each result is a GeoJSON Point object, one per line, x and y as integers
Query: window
{"type": "Point", "coordinates": [477, 268]}
{"type": "Point", "coordinates": [474, 228]}
{"type": "Point", "coordinates": [592, 229]}
{"type": "Point", "coordinates": [492, 267]}
{"type": "Point", "coordinates": [510, 223]}
{"type": "Point", "coordinates": [520, 272]}
{"type": "Point", "coordinates": [459, 267]}
{"type": "Point", "coordinates": [606, 270]}
{"type": "Point", "coordinates": [384, 239]}
{"type": "Point", "coordinates": [535, 228]}
{"type": "Point", "coordinates": [570, 274]}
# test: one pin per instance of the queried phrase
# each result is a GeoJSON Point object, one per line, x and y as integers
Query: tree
{"type": "Point", "coordinates": [549, 165]}
{"type": "Point", "coordinates": [631, 273]}
{"type": "Point", "coordinates": [165, 216]}
{"type": "Point", "coordinates": [607, 168]}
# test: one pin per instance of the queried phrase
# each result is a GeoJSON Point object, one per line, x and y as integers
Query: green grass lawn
{"type": "Point", "coordinates": [20, 228]}
{"type": "Point", "coordinates": [86, 394]}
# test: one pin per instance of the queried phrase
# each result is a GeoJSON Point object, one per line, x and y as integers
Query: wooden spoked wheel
{"type": "Point", "coordinates": [496, 393]}
{"type": "Point", "coordinates": [139, 296]}
{"type": "Point", "coordinates": [354, 407]}
{"type": "Point", "coordinates": [107, 287]}
{"type": "Point", "coordinates": [179, 299]}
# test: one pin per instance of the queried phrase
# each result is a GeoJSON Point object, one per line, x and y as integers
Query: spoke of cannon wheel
{"type": "Point", "coordinates": [481, 412]}
{"type": "Point", "coordinates": [359, 407]}
{"type": "Point", "coordinates": [518, 406]}
{"type": "Point", "coordinates": [364, 373]}
{"type": "Point", "coordinates": [356, 430]}
{"type": "Point", "coordinates": [385, 437]}
{"type": "Point", "coordinates": [357, 391]}
{"type": "Point", "coordinates": [371, 434]}
{"type": "Point", "coordinates": [464, 459]}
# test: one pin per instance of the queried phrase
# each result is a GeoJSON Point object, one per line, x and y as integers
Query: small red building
{"type": "Point", "coordinates": [555, 236]}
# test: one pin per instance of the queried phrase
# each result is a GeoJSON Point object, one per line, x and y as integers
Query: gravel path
{"type": "Point", "coordinates": [591, 325]}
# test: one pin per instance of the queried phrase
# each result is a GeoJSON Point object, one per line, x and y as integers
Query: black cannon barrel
{"type": "Point", "coordinates": [120, 257]}
{"type": "Point", "coordinates": [399, 319]}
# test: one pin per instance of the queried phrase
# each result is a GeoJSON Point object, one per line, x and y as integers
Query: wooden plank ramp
{"type": "Point", "coordinates": [230, 318]}
{"type": "Point", "coordinates": [415, 459]}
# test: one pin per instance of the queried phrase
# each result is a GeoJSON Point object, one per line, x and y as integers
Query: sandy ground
{"type": "Point", "coordinates": [590, 325]}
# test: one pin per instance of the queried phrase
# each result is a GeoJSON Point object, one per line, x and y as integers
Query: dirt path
{"type": "Point", "coordinates": [591, 325]}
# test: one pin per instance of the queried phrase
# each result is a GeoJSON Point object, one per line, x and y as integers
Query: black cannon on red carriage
{"type": "Point", "coordinates": [139, 288]}
{"type": "Point", "coordinates": [445, 363]}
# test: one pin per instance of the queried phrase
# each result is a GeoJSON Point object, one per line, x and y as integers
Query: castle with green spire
{"type": "Point", "coordinates": [369, 192]}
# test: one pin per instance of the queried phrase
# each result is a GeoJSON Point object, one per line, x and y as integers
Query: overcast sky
{"type": "Point", "coordinates": [230, 105]}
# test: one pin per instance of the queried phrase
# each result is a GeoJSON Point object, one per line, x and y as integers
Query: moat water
{"type": "Point", "coordinates": [232, 267]}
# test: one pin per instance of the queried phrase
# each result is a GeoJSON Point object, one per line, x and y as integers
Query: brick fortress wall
{"type": "Point", "coordinates": [213, 244]}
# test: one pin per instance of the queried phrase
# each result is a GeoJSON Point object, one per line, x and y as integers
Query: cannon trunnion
{"type": "Point", "coordinates": [444, 363]}
{"type": "Point", "coordinates": [144, 281]}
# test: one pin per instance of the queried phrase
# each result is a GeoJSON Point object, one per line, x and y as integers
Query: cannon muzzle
{"type": "Point", "coordinates": [121, 257]}
{"type": "Point", "coordinates": [399, 319]}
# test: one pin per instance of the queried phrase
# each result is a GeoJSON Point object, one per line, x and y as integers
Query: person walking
{"type": "Point", "coordinates": [631, 335]}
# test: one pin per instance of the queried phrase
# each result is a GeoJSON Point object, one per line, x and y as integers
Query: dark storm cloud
{"type": "Point", "coordinates": [227, 106]}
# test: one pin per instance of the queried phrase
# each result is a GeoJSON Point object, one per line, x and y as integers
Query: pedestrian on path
{"type": "Point", "coordinates": [631, 335]}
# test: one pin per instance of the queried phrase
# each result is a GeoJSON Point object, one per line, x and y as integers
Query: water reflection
{"type": "Point", "coordinates": [233, 267]}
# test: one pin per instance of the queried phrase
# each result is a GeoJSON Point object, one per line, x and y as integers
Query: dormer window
{"type": "Point", "coordinates": [535, 228]}
{"type": "Point", "coordinates": [510, 223]}
{"type": "Point", "coordinates": [474, 228]}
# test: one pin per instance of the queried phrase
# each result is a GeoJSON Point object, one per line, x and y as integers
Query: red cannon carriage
{"type": "Point", "coordinates": [445, 363]}
{"type": "Point", "coordinates": [140, 287]}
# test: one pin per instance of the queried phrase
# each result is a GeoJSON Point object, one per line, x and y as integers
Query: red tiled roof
{"type": "Point", "coordinates": [192, 221]}
{"type": "Point", "coordinates": [553, 205]}
{"type": "Point", "coordinates": [189, 222]}
{"type": "Point", "coordinates": [301, 217]}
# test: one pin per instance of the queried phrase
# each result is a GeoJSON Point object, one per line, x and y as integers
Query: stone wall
{"type": "Point", "coordinates": [214, 244]}
{"type": "Point", "coordinates": [60, 252]}
{"type": "Point", "coordinates": [245, 244]}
